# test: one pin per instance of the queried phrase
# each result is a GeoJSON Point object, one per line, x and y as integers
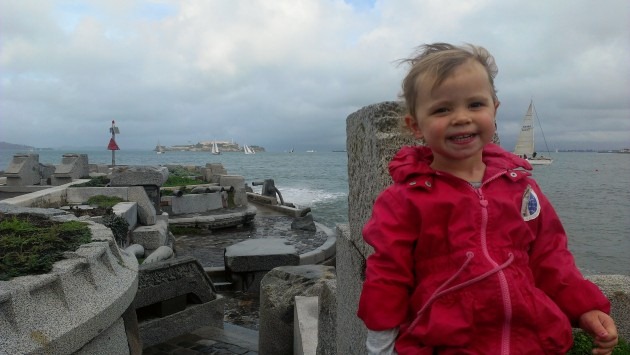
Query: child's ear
{"type": "Point", "coordinates": [412, 124]}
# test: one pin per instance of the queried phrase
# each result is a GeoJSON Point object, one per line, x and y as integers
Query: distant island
{"type": "Point", "coordinates": [11, 146]}
{"type": "Point", "coordinates": [224, 146]}
{"type": "Point", "coordinates": [623, 151]}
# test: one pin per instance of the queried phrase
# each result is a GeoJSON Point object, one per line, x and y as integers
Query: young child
{"type": "Point", "coordinates": [469, 255]}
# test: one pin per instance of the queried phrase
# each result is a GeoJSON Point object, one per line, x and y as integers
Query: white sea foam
{"type": "Point", "coordinates": [306, 197]}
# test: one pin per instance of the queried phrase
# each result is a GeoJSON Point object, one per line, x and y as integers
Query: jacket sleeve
{"type": "Point", "coordinates": [554, 268]}
{"type": "Point", "coordinates": [392, 231]}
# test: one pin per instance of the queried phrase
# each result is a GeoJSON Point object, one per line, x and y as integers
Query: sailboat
{"type": "Point", "coordinates": [525, 143]}
{"type": "Point", "coordinates": [159, 149]}
{"type": "Point", "coordinates": [215, 149]}
{"type": "Point", "coordinates": [248, 150]}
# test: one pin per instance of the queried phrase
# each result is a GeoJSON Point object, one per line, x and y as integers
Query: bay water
{"type": "Point", "coordinates": [590, 191]}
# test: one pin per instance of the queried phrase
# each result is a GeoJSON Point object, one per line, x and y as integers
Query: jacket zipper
{"type": "Point", "coordinates": [505, 289]}
{"type": "Point", "coordinates": [498, 269]}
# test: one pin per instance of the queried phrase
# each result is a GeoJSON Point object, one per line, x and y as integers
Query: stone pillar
{"type": "Point", "coordinates": [72, 167]}
{"type": "Point", "coordinates": [373, 137]}
{"type": "Point", "coordinates": [239, 195]}
{"type": "Point", "coordinates": [23, 170]}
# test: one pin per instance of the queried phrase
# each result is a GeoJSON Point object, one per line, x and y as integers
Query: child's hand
{"type": "Point", "coordinates": [599, 325]}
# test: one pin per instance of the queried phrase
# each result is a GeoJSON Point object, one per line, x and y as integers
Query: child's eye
{"type": "Point", "coordinates": [476, 104]}
{"type": "Point", "coordinates": [440, 110]}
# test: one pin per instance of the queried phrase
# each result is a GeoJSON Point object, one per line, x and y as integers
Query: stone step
{"type": "Point", "coordinates": [231, 334]}
{"type": "Point", "coordinates": [222, 286]}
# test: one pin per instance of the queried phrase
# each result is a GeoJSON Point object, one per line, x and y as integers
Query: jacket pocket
{"type": "Point", "coordinates": [552, 325]}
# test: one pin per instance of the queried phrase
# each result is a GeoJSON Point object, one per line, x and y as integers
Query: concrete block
{"type": "Point", "coordinates": [238, 183]}
{"type": "Point", "coordinates": [213, 172]}
{"type": "Point", "coordinates": [167, 281]}
{"type": "Point", "coordinates": [72, 167]}
{"type": "Point", "coordinates": [351, 332]}
{"type": "Point", "coordinates": [260, 255]}
{"type": "Point", "coordinates": [128, 211]}
{"type": "Point", "coordinates": [195, 316]}
{"type": "Point", "coordinates": [48, 197]}
{"type": "Point", "coordinates": [305, 325]}
{"type": "Point", "coordinates": [138, 176]}
{"type": "Point", "coordinates": [23, 170]}
{"type": "Point", "coordinates": [151, 237]}
{"type": "Point", "coordinates": [196, 203]}
{"type": "Point", "coordinates": [77, 195]}
{"type": "Point", "coordinates": [327, 319]}
{"type": "Point", "coordinates": [277, 301]}
{"type": "Point", "coordinates": [146, 210]}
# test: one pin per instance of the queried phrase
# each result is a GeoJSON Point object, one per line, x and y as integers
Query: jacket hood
{"type": "Point", "coordinates": [416, 160]}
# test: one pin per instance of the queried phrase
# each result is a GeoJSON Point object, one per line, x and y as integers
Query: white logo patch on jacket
{"type": "Point", "coordinates": [530, 206]}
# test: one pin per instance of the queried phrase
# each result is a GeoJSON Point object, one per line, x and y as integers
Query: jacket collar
{"type": "Point", "coordinates": [411, 161]}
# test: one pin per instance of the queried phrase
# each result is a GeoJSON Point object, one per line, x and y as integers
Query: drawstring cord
{"type": "Point", "coordinates": [440, 291]}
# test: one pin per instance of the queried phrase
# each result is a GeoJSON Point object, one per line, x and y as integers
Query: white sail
{"type": "Point", "coordinates": [215, 149]}
{"type": "Point", "coordinates": [525, 143]}
{"type": "Point", "coordinates": [525, 147]}
{"type": "Point", "coordinates": [248, 150]}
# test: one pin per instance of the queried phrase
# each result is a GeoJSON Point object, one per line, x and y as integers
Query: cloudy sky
{"type": "Point", "coordinates": [287, 73]}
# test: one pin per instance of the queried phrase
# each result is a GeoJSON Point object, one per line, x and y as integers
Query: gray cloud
{"type": "Point", "coordinates": [288, 73]}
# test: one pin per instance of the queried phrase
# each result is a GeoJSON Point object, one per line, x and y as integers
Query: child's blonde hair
{"type": "Point", "coordinates": [435, 62]}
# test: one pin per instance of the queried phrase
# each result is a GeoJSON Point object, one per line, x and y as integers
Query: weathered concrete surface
{"type": "Point", "coordinates": [84, 294]}
{"type": "Point", "coordinates": [373, 137]}
{"type": "Point", "coordinates": [260, 255]}
{"type": "Point", "coordinates": [23, 170]}
{"type": "Point", "coordinates": [138, 175]}
{"type": "Point", "coordinates": [175, 297]}
{"type": "Point", "coordinates": [327, 319]}
{"type": "Point", "coordinates": [51, 197]}
{"type": "Point", "coordinates": [305, 325]}
{"type": "Point", "coordinates": [617, 289]}
{"type": "Point", "coordinates": [351, 331]}
{"type": "Point", "coordinates": [195, 203]}
{"type": "Point", "coordinates": [151, 237]}
{"type": "Point", "coordinates": [239, 194]}
{"type": "Point", "coordinates": [72, 167]}
{"type": "Point", "coordinates": [277, 301]}
{"type": "Point", "coordinates": [213, 172]}
{"type": "Point", "coordinates": [247, 262]}
{"type": "Point", "coordinates": [78, 195]}
{"type": "Point", "coordinates": [146, 208]}
{"type": "Point", "coordinates": [128, 211]}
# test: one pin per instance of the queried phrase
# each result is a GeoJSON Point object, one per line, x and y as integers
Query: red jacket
{"type": "Point", "coordinates": [471, 271]}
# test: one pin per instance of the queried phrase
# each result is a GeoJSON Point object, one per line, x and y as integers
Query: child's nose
{"type": "Point", "coordinates": [461, 117]}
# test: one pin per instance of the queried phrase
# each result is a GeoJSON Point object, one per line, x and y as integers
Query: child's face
{"type": "Point", "coordinates": [456, 118]}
